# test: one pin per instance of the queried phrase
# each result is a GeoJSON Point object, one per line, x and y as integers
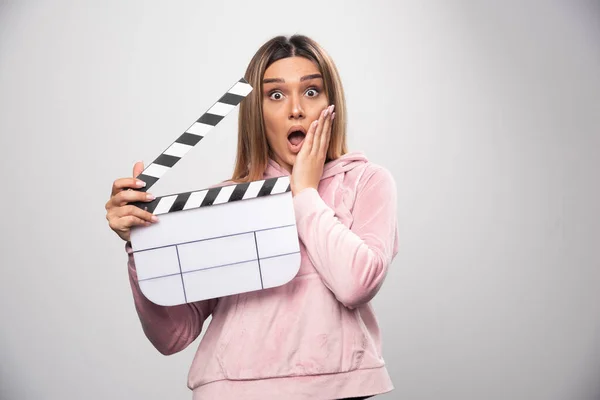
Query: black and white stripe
{"type": "Point", "coordinates": [220, 109]}
{"type": "Point", "coordinates": [217, 195]}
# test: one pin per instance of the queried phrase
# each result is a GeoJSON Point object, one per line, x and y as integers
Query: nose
{"type": "Point", "coordinates": [296, 109]}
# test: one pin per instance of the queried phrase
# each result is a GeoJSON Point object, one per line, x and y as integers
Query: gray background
{"type": "Point", "coordinates": [487, 114]}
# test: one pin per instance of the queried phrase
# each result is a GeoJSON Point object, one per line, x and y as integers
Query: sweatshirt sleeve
{"type": "Point", "coordinates": [169, 328]}
{"type": "Point", "coordinates": [352, 262]}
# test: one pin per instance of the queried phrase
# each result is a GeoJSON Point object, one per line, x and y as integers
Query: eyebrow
{"type": "Point", "coordinates": [304, 78]}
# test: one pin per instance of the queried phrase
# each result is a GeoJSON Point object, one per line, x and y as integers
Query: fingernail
{"type": "Point", "coordinates": [332, 116]}
{"type": "Point", "coordinates": [150, 196]}
{"type": "Point", "coordinates": [332, 107]}
{"type": "Point", "coordinates": [154, 218]}
{"type": "Point", "coordinates": [140, 183]}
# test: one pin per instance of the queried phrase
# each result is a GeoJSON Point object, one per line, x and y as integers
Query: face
{"type": "Point", "coordinates": [293, 97]}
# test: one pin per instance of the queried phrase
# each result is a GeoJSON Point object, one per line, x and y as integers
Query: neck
{"type": "Point", "coordinates": [282, 163]}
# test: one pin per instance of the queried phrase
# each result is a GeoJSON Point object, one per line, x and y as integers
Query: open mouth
{"type": "Point", "coordinates": [296, 137]}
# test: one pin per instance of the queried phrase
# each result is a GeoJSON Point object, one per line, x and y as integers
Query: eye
{"type": "Point", "coordinates": [312, 92]}
{"type": "Point", "coordinates": [275, 95]}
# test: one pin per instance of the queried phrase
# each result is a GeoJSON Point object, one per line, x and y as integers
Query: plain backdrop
{"type": "Point", "coordinates": [487, 114]}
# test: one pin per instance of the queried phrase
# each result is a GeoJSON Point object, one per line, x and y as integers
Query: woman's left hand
{"type": "Point", "coordinates": [310, 160]}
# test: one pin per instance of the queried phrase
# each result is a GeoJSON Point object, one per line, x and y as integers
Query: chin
{"type": "Point", "coordinates": [288, 159]}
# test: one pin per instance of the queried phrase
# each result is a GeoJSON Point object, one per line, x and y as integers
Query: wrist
{"type": "Point", "coordinates": [299, 189]}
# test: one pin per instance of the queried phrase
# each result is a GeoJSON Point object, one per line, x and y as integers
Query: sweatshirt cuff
{"type": "Point", "coordinates": [130, 260]}
{"type": "Point", "coordinates": [307, 201]}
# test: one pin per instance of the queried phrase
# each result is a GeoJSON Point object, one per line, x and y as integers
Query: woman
{"type": "Point", "coordinates": [315, 337]}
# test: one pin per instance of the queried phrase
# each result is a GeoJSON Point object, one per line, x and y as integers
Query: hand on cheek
{"type": "Point", "coordinates": [308, 167]}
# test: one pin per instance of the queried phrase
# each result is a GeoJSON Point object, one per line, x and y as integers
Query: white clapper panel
{"type": "Point", "coordinates": [217, 251]}
{"type": "Point", "coordinates": [215, 242]}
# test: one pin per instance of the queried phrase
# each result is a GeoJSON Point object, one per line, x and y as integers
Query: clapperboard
{"type": "Point", "coordinates": [219, 241]}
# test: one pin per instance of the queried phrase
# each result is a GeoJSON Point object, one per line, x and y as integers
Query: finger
{"type": "Point", "coordinates": [131, 220]}
{"type": "Point", "coordinates": [324, 139]}
{"type": "Point", "coordinates": [124, 224]}
{"type": "Point", "coordinates": [129, 196]}
{"type": "Point", "coordinates": [317, 139]}
{"type": "Point", "coordinates": [327, 140]}
{"type": "Point", "coordinates": [135, 211]}
{"type": "Point", "coordinates": [124, 183]}
{"type": "Point", "coordinates": [309, 139]}
{"type": "Point", "coordinates": [329, 133]}
{"type": "Point", "coordinates": [138, 167]}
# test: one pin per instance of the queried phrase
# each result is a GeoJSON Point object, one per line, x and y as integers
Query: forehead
{"type": "Point", "coordinates": [291, 68]}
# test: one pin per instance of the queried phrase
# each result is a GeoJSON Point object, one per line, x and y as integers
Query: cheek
{"type": "Point", "coordinates": [270, 117]}
{"type": "Point", "coordinates": [315, 111]}
{"type": "Point", "coordinates": [274, 123]}
{"type": "Point", "coordinates": [271, 138]}
{"type": "Point", "coordinates": [271, 133]}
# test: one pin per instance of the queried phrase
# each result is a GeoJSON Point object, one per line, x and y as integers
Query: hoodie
{"type": "Point", "coordinates": [315, 337]}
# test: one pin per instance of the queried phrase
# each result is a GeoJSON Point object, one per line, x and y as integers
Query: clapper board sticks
{"type": "Point", "coordinates": [216, 241]}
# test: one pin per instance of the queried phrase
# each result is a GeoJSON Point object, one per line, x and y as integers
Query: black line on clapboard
{"type": "Point", "coordinates": [211, 238]}
{"type": "Point", "coordinates": [207, 118]}
{"type": "Point", "coordinates": [217, 266]}
{"type": "Point", "coordinates": [258, 260]}
{"type": "Point", "coordinates": [267, 187]}
{"type": "Point", "coordinates": [264, 181]}
{"type": "Point", "coordinates": [181, 273]}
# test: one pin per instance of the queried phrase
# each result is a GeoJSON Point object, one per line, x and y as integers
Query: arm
{"type": "Point", "coordinates": [169, 329]}
{"type": "Point", "coordinates": [352, 262]}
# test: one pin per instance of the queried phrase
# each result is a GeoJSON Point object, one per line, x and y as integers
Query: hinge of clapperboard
{"type": "Point", "coordinates": [192, 136]}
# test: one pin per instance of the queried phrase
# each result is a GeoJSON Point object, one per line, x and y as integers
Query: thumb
{"type": "Point", "coordinates": [138, 168]}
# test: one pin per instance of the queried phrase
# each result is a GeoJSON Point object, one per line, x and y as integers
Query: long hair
{"type": "Point", "coordinates": [253, 150]}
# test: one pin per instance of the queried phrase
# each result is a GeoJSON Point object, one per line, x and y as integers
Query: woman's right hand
{"type": "Point", "coordinates": [122, 216]}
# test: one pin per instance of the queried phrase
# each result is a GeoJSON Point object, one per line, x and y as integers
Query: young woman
{"type": "Point", "coordinates": [315, 337]}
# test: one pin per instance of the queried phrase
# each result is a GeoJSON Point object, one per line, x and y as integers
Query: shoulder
{"type": "Point", "coordinates": [368, 182]}
{"type": "Point", "coordinates": [375, 175]}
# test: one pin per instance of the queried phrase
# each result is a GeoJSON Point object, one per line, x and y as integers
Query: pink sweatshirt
{"type": "Point", "coordinates": [315, 337]}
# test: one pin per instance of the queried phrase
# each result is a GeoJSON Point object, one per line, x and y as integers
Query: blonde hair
{"type": "Point", "coordinates": [252, 149]}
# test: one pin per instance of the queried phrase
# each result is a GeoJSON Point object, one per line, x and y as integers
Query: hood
{"type": "Point", "coordinates": [345, 163]}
